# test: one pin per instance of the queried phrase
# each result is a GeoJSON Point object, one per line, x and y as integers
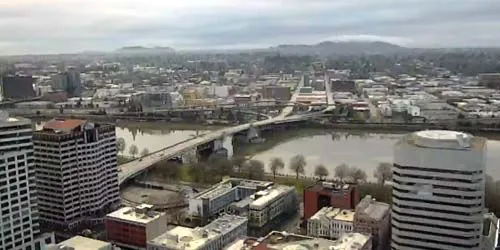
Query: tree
{"type": "Point", "coordinates": [238, 162]}
{"type": "Point", "coordinates": [133, 150]}
{"type": "Point", "coordinates": [321, 171]}
{"type": "Point", "coordinates": [255, 169]}
{"type": "Point", "coordinates": [383, 172]}
{"type": "Point", "coordinates": [276, 165]}
{"type": "Point", "coordinates": [341, 171]}
{"type": "Point", "coordinates": [297, 165]}
{"type": "Point", "coordinates": [144, 152]}
{"type": "Point", "coordinates": [357, 174]}
{"type": "Point", "coordinates": [120, 144]}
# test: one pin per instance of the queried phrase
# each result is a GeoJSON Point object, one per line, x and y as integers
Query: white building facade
{"type": "Point", "coordinates": [330, 223]}
{"type": "Point", "coordinates": [77, 172]}
{"type": "Point", "coordinates": [438, 191]}
{"type": "Point", "coordinates": [19, 227]}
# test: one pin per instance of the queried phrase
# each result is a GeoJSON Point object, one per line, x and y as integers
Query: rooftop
{"type": "Point", "coordinates": [194, 238]}
{"type": "Point", "coordinates": [331, 187]}
{"type": "Point", "coordinates": [142, 214]}
{"type": "Point", "coordinates": [63, 124]}
{"type": "Point", "coordinates": [215, 191]}
{"type": "Point", "coordinates": [444, 139]}
{"type": "Point", "coordinates": [331, 213]}
{"type": "Point", "coordinates": [264, 197]}
{"type": "Point", "coordinates": [81, 243]}
{"type": "Point", "coordinates": [184, 238]}
{"type": "Point", "coordinates": [286, 241]}
{"type": "Point", "coordinates": [374, 209]}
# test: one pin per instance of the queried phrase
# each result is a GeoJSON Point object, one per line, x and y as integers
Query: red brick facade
{"type": "Point", "coordinates": [126, 233]}
{"type": "Point", "coordinates": [343, 198]}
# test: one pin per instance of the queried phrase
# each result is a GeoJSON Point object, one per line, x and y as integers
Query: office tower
{"type": "Point", "coordinates": [19, 228]}
{"type": "Point", "coordinates": [76, 172]}
{"type": "Point", "coordinates": [68, 81]}
{"type": "Point", "coordinates": [15, 87]}
{"type": "Point", "coordinates": [438, 191]}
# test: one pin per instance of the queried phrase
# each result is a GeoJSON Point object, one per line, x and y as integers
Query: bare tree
{"type": "Point", "coordinates": [341, 171]}
{"type": "Point", "coordinates": [120, 145]}
{"type": "Point", "coordinates": [321, 171]}
{"type": "Point", "coordinates": [238, 162]}
{"type": "Point", "coordinates": [297, 165]}
{"type": "Point", "coordinates": [255, 169]}
{"type": "Point", "coordinates": [276, 165]}
{"type": "Point", "coordinates": [383, 172]}
{"type": "Point", "coordinates": [144, 152]}
{"type": "Point", "coordinates": [133, 150]}
{"type": "Point", "coordinates": [357, 174]}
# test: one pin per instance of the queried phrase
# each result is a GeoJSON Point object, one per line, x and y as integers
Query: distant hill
{"type": "Point", "coordinates": [328, 47]}
{"type": "Point", "coordinates": [141, 49]}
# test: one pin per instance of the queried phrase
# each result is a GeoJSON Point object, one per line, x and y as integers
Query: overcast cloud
{"type": "Point", "coordinates": [56, 26]}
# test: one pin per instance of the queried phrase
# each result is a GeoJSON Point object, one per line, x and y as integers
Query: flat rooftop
{"type": "Point", "coordinates": [215, 191]}
{"type": "Point", "coordinates": [184, 238]}
{"type": "Point", "coordinates": [331, 213]}
{"type": "Point", "coordinates": [285, 241]}
{"type": "Point", "coordinates": [194, 238]}
{"type": "Point", "coordinates": [444, 139]}
{"type": "Point", "coordinates": [375, 209]}
{"type": "Point", "coordinates": [134, 215]}
{"type": "Point", "coordinates": [83, 243]}
{"type": "Point", "coordinates": [265, 197]}
{"type": "Point", "coordinates": [331, 187]}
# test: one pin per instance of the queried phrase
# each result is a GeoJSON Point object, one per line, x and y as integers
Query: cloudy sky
{"type": "Point", "coordinates": [57, 26]}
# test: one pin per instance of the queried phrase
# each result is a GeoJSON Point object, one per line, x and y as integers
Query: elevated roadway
{"type": "Point", "coordinates": [133, 168]}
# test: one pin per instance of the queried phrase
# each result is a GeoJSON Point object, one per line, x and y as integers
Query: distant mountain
{"type": "Point", "coordinates": [329, 48]}
{"type": "Point", "coordinates": [141, 49]}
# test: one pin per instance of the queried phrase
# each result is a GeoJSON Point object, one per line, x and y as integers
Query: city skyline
{"type": "Point", "coordinates": [55, 26]}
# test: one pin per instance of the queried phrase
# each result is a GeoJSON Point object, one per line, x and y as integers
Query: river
{"type": "Point", "coordinates": [154, 136]}
{"type": "Point", "coordinates": [331, 148]}
{"type": "Point", "coordinates": [360, 149]}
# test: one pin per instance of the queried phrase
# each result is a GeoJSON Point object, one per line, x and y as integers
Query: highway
{"type": "Point", "coordinates": [132, 168]}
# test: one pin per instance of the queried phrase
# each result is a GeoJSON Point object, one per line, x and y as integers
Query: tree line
{"type": "Point", "coordinates": [133, 150]}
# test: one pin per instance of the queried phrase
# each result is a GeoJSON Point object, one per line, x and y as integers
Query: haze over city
{"type": "Point", "coordinates": [62, 26]}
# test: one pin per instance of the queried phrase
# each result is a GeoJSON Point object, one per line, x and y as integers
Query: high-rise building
{"type": "Point", "coordinates": [14, 87]}
{"type": "Point", "coordinates": [76, 172]}
{"type": "Point", "coordinates": [68, 81]}
{"type": "Point", "coordinates": [19, 228]}
{"type": "Point", "coordinates": [438, 191]}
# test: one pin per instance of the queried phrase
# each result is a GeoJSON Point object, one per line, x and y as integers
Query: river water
{"type": "Point", "coordinates": [360, 149]}
{"type": "Point", "coordinates": [364, 150]}
{"type": "Point", "coordinates": [153, 136]}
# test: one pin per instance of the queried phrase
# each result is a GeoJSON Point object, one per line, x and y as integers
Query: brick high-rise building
{"type": "Point", "coordinates": [327, 194]}
{"type": "Point", "coordinates": [76, 172]}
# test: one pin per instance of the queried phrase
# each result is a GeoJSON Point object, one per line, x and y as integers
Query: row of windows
{"type": "Point", "coordinates": [395, 203]}
{"type": "Point", "coordinates": [463, 197]}
{"type": "Point", "coordinates": [463, 189]}
{"type": "Point", "coordinates": [430, 177]}
{"type": "Point", "coordinates": [423, 200]}
{"type": "Point", "coordinates": [435, 170]}
{"type": "Point", "coordinates": [451, 244]}
{"type": "Point", "coordinates": [436, 218]}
